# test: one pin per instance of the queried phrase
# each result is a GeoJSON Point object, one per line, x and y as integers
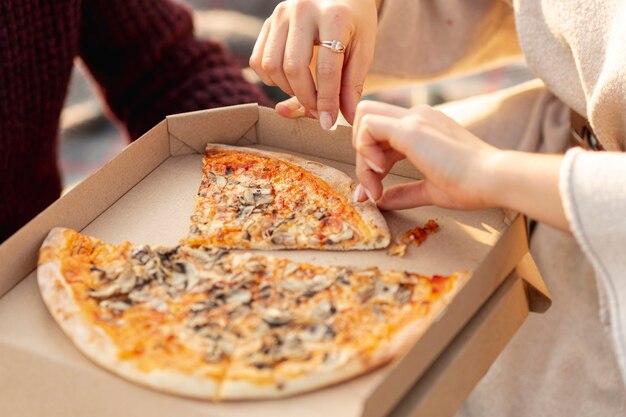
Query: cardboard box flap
{"type": "Point", "coordinates": [224, 125]}
{"type": "Point", "coordinates": [539, 300]}
{"type": "Point", "coordinates": [19, 253]}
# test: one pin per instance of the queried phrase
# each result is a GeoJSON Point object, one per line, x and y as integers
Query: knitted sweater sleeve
{"type": "Point", "coordinates": [148, 64]}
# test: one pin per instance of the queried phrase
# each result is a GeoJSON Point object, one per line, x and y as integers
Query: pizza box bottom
{"type": "Point", "coordinates": [145, 195]}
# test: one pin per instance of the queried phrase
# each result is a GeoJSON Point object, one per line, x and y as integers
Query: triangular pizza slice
{"type": "Point", "coordinates": [257, 199]}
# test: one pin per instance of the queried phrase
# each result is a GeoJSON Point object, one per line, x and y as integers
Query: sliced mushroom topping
{"type": "Point", "coordinates": [105, 292]}
{"type": "Point", "coordinates": [264, 199]}
{"type": "Point", "coordinates": [323, 310]}
{"type": "Point", "coordinates": [320, 282]}
{"type": "Point", "coordinates": [320, 213]}
{"type": "Point", "coordinates": [239, 297]}
{"type": "Point", "coordinates": [384, 289]}
{"type": "Point", "coordinates": [275, 317]}
{"type": "Point", "coordinates": [201, 306]}
{"type": "Point", "coordinates": [248, 197]}
{"type": "Point", "coordinates": [158, 304]}
{"type": "Point", "coordinates": [197, 321]}
{"type": "Point", "coordinates": [254, 266]}
{"type": "Point", "coordinates": [115, 306]}
{"type": "Point", "coordinates": [317, 332]}
{"type": "Point", "coordinates": [294, 285]}
{"type": "Point", "coordinates": [140, 296]}
{"type": "Point", "coordinates": [142, 254]}
{"type": "Point", "coordinates": [126, 279]}
{"type": "Point", "coordinates": [403, 295]}
{"type": "Point", "coordinates": [200, 255]}
{"type": "Point", "coordinates": [239, 311]}
{"type": "Point", "coordinates": [210, 331]}
{"type": "Point", "coordinates": [265, 291]}
{"type": "Point", "coordinates": [220, 181]}
{"type": "Point", "coordinates": [178, 280]}
{"type": "Point", "coordinates": [283, 239]}
{"type": "Point", "coordinates": [343, 279]}
{"type": "Point", "coordinates": [165, 255]}
{"type": "Point", "coordinates": [213, 353]}
{"type": "Point", "coordinates": [244, 212]}
{"type": "Point", "coordinates": [154, 269]}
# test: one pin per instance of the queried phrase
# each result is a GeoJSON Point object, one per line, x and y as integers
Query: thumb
{"type": "Point", "coordinates": [403, 196]}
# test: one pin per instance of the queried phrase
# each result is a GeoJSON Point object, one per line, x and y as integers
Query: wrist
{"type": "Point", "coordinates": [497, 180]}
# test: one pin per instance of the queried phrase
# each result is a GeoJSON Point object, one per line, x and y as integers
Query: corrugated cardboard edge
{"type": "Point", "coordinates": [440, 392]}
{"type": "Point", "coordinates": [539, 300]}
{"type": "Point", "coordinates": [189, 132]}
{"type": "Point", "coordinates": [19, 252]}
{"type": "Point", "coordinates": [250, 124]}
{"type": "Point", "coordinates": [509, 250]}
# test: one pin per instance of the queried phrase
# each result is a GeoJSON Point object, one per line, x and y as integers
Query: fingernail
{"type": "Point", "coordinates": [292, 105]}
{"type": "Point", "coordinates": [373, 166]}
{"type": "Point", "coordinates": [326, 120]}
{"type": "Point", "coordinates": [369, 195]}
{"type": "Point", "coordinates": [358, 193]}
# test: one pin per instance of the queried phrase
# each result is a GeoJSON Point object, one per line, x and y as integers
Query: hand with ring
{"type": "Point", "coordinates": [344, 30]}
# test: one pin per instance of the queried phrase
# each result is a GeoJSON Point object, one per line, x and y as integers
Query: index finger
{"type": "Point", "coordinates": [377, 108]}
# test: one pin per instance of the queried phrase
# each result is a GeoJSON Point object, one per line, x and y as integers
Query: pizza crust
{"type": "Point", "coordinates": [342, 184]}
{"type": "Point", "coordinates": [93, 342]}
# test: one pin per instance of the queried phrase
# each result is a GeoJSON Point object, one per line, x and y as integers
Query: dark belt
{"type": "Point", "coordinates": [582, 133]}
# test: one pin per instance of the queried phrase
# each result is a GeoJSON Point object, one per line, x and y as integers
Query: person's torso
{"type": "Point", "coordinates": [577, 47]}
{"type": "Point", "coordinates": [38, 42]}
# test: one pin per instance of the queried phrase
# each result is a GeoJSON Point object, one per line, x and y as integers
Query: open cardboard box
{"type": "Point", "coordinates": [146, 194]}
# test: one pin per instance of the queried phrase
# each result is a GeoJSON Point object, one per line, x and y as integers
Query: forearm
{"type": "Point", "coordinates": [528, 183]}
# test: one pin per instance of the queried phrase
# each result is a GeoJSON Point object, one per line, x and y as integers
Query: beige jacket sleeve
{"type": "Point", "coordinates": [593, 190]}
{"type": "Point", "coordinates": [425, 39]}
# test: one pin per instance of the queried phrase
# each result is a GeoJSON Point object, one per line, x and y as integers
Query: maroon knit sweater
{"type": "Point", "coordinates": [144, 57]}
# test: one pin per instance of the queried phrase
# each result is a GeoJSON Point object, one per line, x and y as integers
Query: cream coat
{"type": "Point", "coordinates": [572, 360]}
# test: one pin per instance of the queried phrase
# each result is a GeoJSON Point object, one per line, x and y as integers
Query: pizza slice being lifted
{"type": "Point", "coordinates": [256, 199]}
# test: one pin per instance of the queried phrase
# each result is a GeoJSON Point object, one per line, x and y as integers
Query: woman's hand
{"type": "Point", "coordinates": [452, 160]}
{"type": "Point", "coordinates": [460, 170]}
{"type": "Point", "coordinates": [284, 50]}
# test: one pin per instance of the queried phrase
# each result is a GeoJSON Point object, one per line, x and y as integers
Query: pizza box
{"type": "Point", "coordinates": [146, 195]}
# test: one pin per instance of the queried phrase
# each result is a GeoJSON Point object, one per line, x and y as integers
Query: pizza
{"type": "Point", "coordinates": [214, 324]}
{"type": "Point", "coordinates": [256, 199]}
{"type": "Point", "coordinates": [417, 236]}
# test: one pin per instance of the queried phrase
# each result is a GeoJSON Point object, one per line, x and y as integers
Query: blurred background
{"type": "Point", "coordinates": [89, 139]}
